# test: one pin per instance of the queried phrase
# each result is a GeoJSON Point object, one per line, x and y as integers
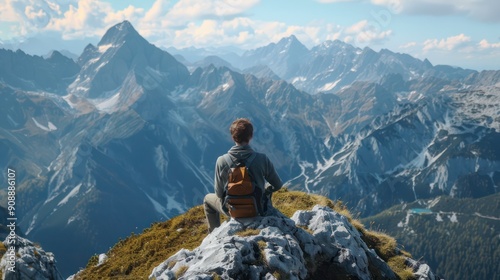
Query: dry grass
{"type": "Point", "coordinates": [262, 255]}
{"type": "Point", "coordinates": [397, 263]}
{"type": "Point", "coordinates": [248, 232]}
{"type": "Point", "coordinates": [3, 249]}
{"type": "Point", "coordinates": [290, 201]}
{"type": "Point", "coordinates": [136, 256]}
{"type": "Point", "coordinates": [180, 272]}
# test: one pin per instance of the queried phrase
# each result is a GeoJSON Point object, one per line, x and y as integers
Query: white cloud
{"type": "Point", "coordinates": [367, 32]}
{"type": "Point", "coordinates": [246, 33]}
{"type": "Point", "coordinates": [188, 22]}
{"type": "Point", "coordinates": [484, 10]}
{"type": "Point", "coordinates": [186, 11]}
{"type": "Point", "coordinates": [90, 18]}
{"type": "Point", "coordinates": [448, 44]}
{"type": "Point", "coordinates": [242, 32]}
{"type": "Point", "coordinates": [460, 50]}
{"type": "Point", "coordinates": [333, 1]}
{"type": "Point", "coordinates": [7, 12]}
{"type": "Point", "coordinates": [72, 18]}
{"type": "Point", "coordinates": [484, 44]}
{"type": "Point", "coordinates": [408, 45]}
{"type": "Point", "coordinates": [158, 10]}
{"type": "Point", "coordinates": [28, 15]}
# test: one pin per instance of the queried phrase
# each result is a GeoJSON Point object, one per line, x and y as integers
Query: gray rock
{"type": "Point", "coordinates": [421, 271]}
{"type": "Point", "coordinates": [272, 247]}
{"type": "Point", "coordinates": [28, 261]}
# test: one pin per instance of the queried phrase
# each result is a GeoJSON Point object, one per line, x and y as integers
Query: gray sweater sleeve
{"type": "Point", "coordinates": [272, 176]}
{"type": "Point", "coordinates": [218, 182]}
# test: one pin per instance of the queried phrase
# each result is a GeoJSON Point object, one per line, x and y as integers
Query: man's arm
{"type": "Point", "coordinates": [218, 182]}
{"type": "Point", "coordinates": [272, 177]}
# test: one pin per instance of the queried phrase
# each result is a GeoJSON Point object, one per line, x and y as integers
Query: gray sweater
{"type": "Point", "coordinates": [261, 168]}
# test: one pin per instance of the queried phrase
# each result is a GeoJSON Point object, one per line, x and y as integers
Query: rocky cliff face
{"type": "Point", "coordinates": [28, 261]}
{"type": "Point", "coordinates": [122, 55]}
{"type": "Point", "coordinates": [316, 244]}
{"type": "Point", "coordinates": [28, 72]}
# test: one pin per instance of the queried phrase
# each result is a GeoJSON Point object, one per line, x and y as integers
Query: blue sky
{"type": "Point", "coordinates": [463, 33]}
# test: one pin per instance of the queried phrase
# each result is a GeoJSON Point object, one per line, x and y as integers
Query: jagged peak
{"type": "Point", "coordinates": [386, 51]}
{"type": "Point", "coordinates": [368, 50]}
{"type": "Point", "coordinates": [124, 25]}
{"type": "Point", "coordinates": [427, 63]}
{"type": "Point", "coordinates": [58, 56]}
{"type": "Point", "coordinates": [291, 42]}
{"type": "Point", "coordinates": [119, 33]}
{"type": "Point", "coordinates": [89, 47]}
{"type": "Point", "coordinates": [334, 47]}
{"type": "Point", "coordinates": [291, 38]}
{"type": "Point", "coordinates": [332, 43]}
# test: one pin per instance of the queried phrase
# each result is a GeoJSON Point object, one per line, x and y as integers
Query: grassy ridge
{"type": "Point", "coordinates": [136, 256]}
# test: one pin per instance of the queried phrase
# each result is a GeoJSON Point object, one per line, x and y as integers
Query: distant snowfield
{"type": "Point", "coordinates": [104, 48]}
{"type": "Point", "coordinates": [50, 126]}
{"type": "Point", "coordinates": [109, 105]}
{"type": "Point", "coordinates": [71, 194]}
{"type": "Point", "coordinates": [329, 86]}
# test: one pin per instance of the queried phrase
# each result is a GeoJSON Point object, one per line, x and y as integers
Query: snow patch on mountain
{"type": "Point", "coordinates": [329, 86]}
{"type": "Point", "coordinates": [406, 221]}
{"type": "Point", "coordinates": [50, 126]}
{"type": "Point", "coordinates": [32, 224]}
{"type": "Point", "coordinates": [70, 100]}
{"type": "Point", "coordinates": [71, 194]}
{"type": "Point", "coordinates": [108, 105]}
{"type": "Point", "coordinates": [158, 207]}
{"type": "Point", "coordinates": [71, 219]}
{"type": "Point", "coordinates": [225, 86]}
{"type": "Point", "coordinates": [453, 218]}
{"type": "Point", "coordinates": [438, 217]}
{"type": "Point", "coordinates": [104, 48]}
{"type": "Point", "coordinates": [174, 204]}
{"type": "Point", "coordinates": [161, 160]}
{"type": "Point", "coordinates": [441, 178]}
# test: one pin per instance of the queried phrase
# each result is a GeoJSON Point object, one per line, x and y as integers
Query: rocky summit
{"type": "Point", "coordinates": [314, 244]}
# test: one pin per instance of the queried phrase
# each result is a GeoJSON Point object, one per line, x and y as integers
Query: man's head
{"type": "Point", "coordinates": [241, 131]}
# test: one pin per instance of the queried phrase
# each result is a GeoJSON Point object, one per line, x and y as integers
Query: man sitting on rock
{"type": "Point", "coordinates": [260, 168]}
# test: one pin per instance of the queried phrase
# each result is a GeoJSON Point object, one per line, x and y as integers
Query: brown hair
{"type": "Point", "coordinates": [241, 130]}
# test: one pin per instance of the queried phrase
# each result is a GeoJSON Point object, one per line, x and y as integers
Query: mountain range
{"type": "Point", "coordinates": [128, 135]}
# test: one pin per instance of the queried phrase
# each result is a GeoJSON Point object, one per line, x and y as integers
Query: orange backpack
{"type": "Point", "coordinates": [243, 197]}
